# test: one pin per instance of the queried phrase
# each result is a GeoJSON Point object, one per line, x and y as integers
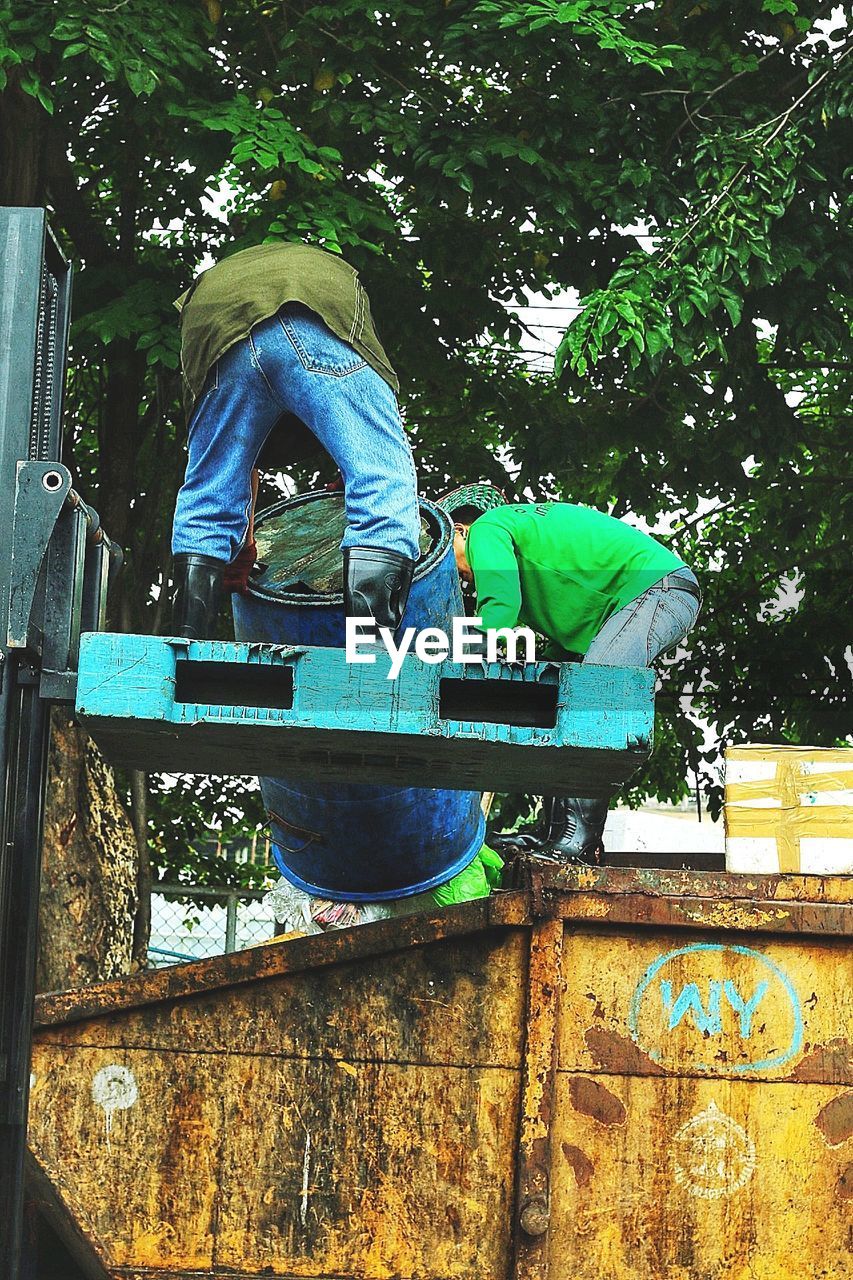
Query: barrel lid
{"type": "Point", "coordinates": [299, 543]}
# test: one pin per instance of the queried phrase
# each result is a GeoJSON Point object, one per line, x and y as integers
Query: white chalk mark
{"type": "Point", "coordinates": [114, 1088]}
{"type": "Point", "coordinates": [713, 1155]}
{"type": "Point", "coordinates": [306, 1162]}
{"type": "Point", "coordinates": [32, 1081]}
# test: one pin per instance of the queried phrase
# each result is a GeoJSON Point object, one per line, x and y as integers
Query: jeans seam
{"type": "Point", "coordinates": [256, 362]}
{"type": "Point", "coordinates": [207, 390]}
{"type": "Point", "coordinates": [630, 618]}
{"type": "Point", "coordinates": [651, 631]}
{"type": "Point", "coordinates": [413, 471]}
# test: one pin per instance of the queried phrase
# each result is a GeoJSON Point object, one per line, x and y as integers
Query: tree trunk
{"type": "Point", "coordinates": [139, 818]}
{"type": "Point", "coordinates": [89, 868]}
{"type": "Point", "coordinates": [89, 882]}
{"type": "Point", "coordinates": [21, 145]}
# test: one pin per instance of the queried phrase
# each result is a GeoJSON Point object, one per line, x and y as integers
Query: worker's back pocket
{"type": "Point", "coordinates": [319, 350]}
{"type": "Point", "coordinates": [674, 616]}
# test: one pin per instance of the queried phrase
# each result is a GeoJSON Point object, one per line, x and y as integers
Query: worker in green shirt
{"type": "Point", "coordinates": [593, 586]}
{"type": "Point", "coordinates": [280, 358]}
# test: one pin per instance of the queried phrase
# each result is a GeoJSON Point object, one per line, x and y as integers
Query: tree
{"type": "Point", "coordinates": [466, 156]}
{"type": "Point", "coordinates": [88, 878]}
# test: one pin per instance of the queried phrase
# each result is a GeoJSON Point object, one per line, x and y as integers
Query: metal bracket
{"type": "Point", "coordinates": [539, 1085]}
{"type": "Point", "coordinates": [61, 565]}
{"type": "Point", "coordinates": [41, 490]}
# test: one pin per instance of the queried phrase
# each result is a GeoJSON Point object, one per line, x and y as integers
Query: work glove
{"type": "Point", "coordinates": [476, 644]}
{"type": "Point", "coordinates": [236, 575]}
{"type": "Point", "coordinates": [516, 842]}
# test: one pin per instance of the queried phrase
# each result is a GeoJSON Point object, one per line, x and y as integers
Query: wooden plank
{"type": "Point", "coordinates": [349, 722]}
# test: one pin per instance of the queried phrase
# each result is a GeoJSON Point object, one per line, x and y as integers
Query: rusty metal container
{"type": "Point", "coordinates": [618, 1074]}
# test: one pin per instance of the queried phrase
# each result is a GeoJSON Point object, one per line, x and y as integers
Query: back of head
{"type": "Point", "coordinates": [466, 514]}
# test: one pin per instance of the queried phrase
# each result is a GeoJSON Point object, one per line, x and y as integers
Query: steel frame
{"type": "Point", "coordinates": [35, 301]}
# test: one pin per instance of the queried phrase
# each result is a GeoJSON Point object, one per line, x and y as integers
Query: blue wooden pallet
{"type": "Point", "coordinates": [172, 705]}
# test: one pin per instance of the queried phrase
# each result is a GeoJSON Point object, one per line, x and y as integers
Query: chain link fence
{"type": "Point", "coordinates": [189, 922]}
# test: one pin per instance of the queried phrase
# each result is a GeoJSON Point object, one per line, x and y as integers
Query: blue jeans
{"type": "Point", "coordinates": [293, 363]}
{"type": "Point", "coordinates": [646, 627]}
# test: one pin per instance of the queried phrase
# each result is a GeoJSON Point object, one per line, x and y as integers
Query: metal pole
{"type": "Point", "coordinates": [231, 922]}
{"type": "Point", "coordinates": [27, 772]}
{"type": "Point", "coordinates": [34, 312]}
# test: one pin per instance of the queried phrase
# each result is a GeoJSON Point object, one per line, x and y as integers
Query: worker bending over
{"type": "Point", "coordinates": [279, 357]}
{"type": "Point", "coordinates": [596, 588]}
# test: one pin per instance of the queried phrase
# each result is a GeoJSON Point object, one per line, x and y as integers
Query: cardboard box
{"type": "Point", "coordinates": [789, 809]}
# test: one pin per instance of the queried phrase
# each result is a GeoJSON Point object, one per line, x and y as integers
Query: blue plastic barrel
{"type": "Point", "coordinates": [353, 843]}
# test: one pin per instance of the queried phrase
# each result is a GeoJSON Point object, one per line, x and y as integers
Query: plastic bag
{"type": "Point", "coordinates": [299, 912]}
{"type": "Point", "coordinates": [475, 881]}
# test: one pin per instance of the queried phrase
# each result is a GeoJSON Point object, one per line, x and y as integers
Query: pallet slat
{"type": "Point", "coordinates": [223, 707]}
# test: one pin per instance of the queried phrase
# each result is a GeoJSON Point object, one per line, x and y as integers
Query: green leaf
{"type": "Point", "coordinates": [656, 341]}
{"type": "Point", "coordinates": [140, 80]}
{"type": "Point", "coordinates": [734, 306]}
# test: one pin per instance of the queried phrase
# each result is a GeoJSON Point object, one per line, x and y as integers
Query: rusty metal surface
{"type": "Point", "coordinates": [661, 1004]}
{"type": "Point", "coordinates": [608, 894]}
{"type": "Point", "coordinates": [628, 1074]}
{"type": "Point", "coordinates": [733, 915]}
{"type": "Point", "coordinates": [533, 1199]}
{"type": "Point", "coordinates": [647, 897]}
{"type": "Point", "coordinates": [269, 1164]}
{"type": "Point", "coordinates": [356, 1120]}
{"type": "Point", "coordinates": [45, 1195]}
{"type": "Point", "coordinates": [657, 882]}
{"type": "Point", "coordinates": [704, 1110]}
{"type": "Point", "coordinates": [671, 1178]}
{"type": "Point", "coordinates": [277, 957]}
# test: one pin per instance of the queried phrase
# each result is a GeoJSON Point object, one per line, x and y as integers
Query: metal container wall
{"type": "Point", "coordinates": [354, 843]}
{"type": "Point", "coordinates": [620, 1075]}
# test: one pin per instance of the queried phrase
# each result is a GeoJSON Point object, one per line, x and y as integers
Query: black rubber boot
{"type": "Point", "coordinates": [376, 584]}
{"type": "Point", "coordinates": [198, 593]}
{"type": "Point", "coordinates": [574, 831]}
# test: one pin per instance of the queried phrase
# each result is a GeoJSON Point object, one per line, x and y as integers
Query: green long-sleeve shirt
{"type": "Point", "coordinates": [560, 569]}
